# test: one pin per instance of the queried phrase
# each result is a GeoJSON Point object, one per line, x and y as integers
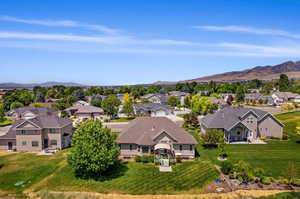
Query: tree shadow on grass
{"type": "Point", "coordinates": [115, 171]}
{"type": "Point", "coordinates": [210, 146]}
{"type": "Point", "coordinates": [298, 142]}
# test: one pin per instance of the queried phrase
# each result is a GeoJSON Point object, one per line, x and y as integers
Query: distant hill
{"type": "Point", "coordinates": [290, 68]}
{"type": "Point", "coordinates": [11, 85]}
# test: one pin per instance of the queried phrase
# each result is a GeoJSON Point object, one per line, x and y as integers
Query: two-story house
{"type": "Point", "coordinates": [242, 124]}
{"type": "Point", "coordinates": [33, 133]}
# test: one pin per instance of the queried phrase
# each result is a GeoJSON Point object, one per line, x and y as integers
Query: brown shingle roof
{"type": "Point", "coordinates": [144, 130]}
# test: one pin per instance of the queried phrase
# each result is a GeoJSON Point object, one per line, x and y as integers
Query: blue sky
{"type": "Point", "coordinates": [137, 41]}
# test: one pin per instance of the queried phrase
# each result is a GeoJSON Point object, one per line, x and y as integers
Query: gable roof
{"type": "Point", "coordinates": [144, 130]}
{"type": "Point", "coordinates": [227, 117]}
{"type": "Point", "coordinates": [85, 109]}
{"type": "Point", "coordinates": [34, 110]}
{"type": "Point", "coordinates": [286, 95]}
{"type": "Point", "coordinates": [153, 107]}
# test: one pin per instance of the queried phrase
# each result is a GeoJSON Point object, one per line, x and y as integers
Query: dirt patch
{"type": "Point", "coordinates": [232, 195]}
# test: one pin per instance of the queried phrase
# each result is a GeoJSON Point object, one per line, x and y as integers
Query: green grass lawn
{"type": "Point", "coordinates": [137, 178]}
{"type": "Point", "coordinates": [27, 167]}
{"type": "Point", "coordinates": [53, 173]}
{"type": "Point", "coordinates": [122, 119]}
{"type": "Point", "coordinates": [272, 157]}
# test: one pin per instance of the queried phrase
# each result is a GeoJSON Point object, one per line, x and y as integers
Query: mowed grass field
{"type": "Point", "coordinates": [272, 157]}
{"type": "Point", "coordinates": [53, 173]}
{"type": "Point", "coordinates": [137, 178]}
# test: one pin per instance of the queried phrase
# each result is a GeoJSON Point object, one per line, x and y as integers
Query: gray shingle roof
{"type": "Point", "coordinates": [144, 130]}
{"type": "Point", "coordinates": [153, 107]}
{"type": "Point", "coordinates": [229, 116]}
{"type": "Point", "coordinates": [41, 122]}
{"type": "Point", "coordinates": [34, 110]}
{"type": "Point", "coordinates": [85, 109]}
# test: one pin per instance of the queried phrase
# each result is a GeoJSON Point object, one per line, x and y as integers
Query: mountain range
{"type": "Point", "coordinates": [11, 85]}
{"type": "Point", "coordinates": [290, 68]}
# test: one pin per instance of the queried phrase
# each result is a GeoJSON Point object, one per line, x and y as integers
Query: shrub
{"type": "Point", "coordinates": [275, 138]}
{"type": "Point", "coordinates": [285, 137]}
{"type": "Point", "coordinates": [1, 165]}
{"type": "Point", "coordinates": [262, 137]}
{"type": "Point", "coordinates": [226, 167]}
{"type": "Point", "coordinates": [296, 182]}
{"type": "Point", "coordinates": [137, 158]}
{"type": "Point", "coordinates": [266, 180]}
{"type": "Point", "coordinates": [178, 159]}
{"type": "Point", "coordinates": [259, 172]}
{"type": "Point", "coordinates": [144, 158]}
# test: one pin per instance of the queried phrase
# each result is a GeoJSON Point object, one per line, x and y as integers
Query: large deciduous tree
{"type": "Point", "coordinates": [173, 101]}
{"type": "Point", "coordinates": [94, 150]}
{"type": "Point", "coordinates": [110, 105]}
{"type": "Point", "coordinates": [202, 105]}
{"type": "Point", "coordinates": [283, 82]}
{"type": "Point", "coordinates": [2, 113]}
{"type": "Point", "coordinates": [213, 137]}
{"type": "Point", "coordinates": [240, 94]}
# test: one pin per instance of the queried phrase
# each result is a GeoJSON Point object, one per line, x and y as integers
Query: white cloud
{"type": "Point", "coordinates": [60, 23]}
{"type": "Point", "coordinates": [251, 30]}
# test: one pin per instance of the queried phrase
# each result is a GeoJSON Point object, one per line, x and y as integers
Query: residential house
{"type": "Point", "coordinates": [285, 97]}
{"type": "Point", "coordinates": [156, 135]}
{"type": "Point", "coordinates": [29, 112]}
{"type": "Point", "coordinates": [83, 113]}
{"type": "Point", "coordinates": [158, 98]}
{"type": "Point", "coordinates": [34, 132]}
{"type": "Point", "coordinates": [180, 95]}
{"type": "Point", "coordinates": [81, 103]}
{"type": "Point", "coordinates": [242, 124]}
{"type": "Point", "coordinates": [153, 109]}
{"type": "Point", "coordinates": [255, 98]}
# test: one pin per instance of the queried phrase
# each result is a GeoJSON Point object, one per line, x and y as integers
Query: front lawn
{"type": "Point", "coordinates": [54, 174]}
{"type": "Point", "coordinates": [122, 119]}
{"type": "Point", "coordinates": [137, 178]}
{"type": "Point", "coordinates": [25, 168]}
{"type": "Point", "coordinates": [272, 157]}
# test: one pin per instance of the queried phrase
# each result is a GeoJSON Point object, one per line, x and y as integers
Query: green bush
{"type": "Point", "coordinates": [178, 159]}
{"type": "Point", "coordinates": [275, 138]}
{"type": "Point", "coordinates": [285, 137]}
{"type": "Point", "coordinates": [226, 167]}
{"type": "Point", "coordinates": [296, 182]}
{"type": "Point", "coordinates": [144, 158]}
{"type": "Point", "coordinates": [266, 180]}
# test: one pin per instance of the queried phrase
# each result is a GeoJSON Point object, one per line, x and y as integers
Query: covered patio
{"type": "Point", "coordinates": [239, 133]}
{"type": "Point", "coordinates": [164, 155]}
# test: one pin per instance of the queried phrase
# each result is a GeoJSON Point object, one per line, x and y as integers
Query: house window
{"type": "Point", "coordinates": [23, 132]}
{"type": "Point", "coordinates": [130, 147]}
{"type": "Point", "coordinates": [180, 147]}
{"type": "Point", "coordinates": [53, 142]}
{"type": "Point", "coordinates": [52, 130]}
{"type": "Point", "coordinates": [238, 133]}
{"type": "Point", "coordinates": [191, 147]}
{"type": "Point", "coordinates": [24, 143]}
{"type": "Point", "coordinates": [35, 143]}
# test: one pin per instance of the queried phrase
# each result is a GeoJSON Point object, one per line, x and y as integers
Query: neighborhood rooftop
{"type": "Point", "coordinates": [144, 130]}
{"type": "Point", "coordinates": [228, 117]}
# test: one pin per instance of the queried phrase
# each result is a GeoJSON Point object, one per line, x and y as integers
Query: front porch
{"type": "Point", "coordinates": [238, 134]}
